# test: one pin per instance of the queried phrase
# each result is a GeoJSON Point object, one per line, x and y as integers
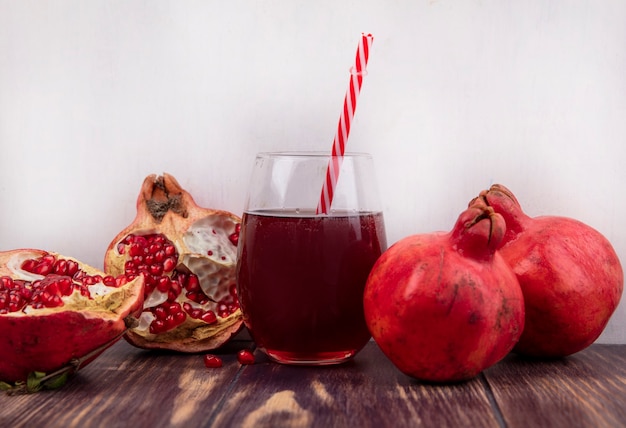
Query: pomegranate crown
{"type": "Point", "coordinates": [479, 230]}
{"type": "Point", "coordinates": [162, 194]}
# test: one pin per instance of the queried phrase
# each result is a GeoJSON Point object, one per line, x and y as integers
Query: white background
{"type": "Point", "coordinates": [95, 95]}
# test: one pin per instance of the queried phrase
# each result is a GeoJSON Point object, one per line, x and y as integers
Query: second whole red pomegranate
{"type": "Point", "coordinates": [187, 255]}
{"type": "Point", "coordinates": [570, 275]}
{"type": "Point", "coordinates": [445, 306]}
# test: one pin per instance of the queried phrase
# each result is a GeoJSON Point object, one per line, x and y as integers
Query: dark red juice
{"type": "Point", "coordinates": [301, 279]}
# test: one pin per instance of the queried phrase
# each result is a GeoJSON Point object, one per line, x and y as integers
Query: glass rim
{"type": "Point", "coordinates": [309, 154]}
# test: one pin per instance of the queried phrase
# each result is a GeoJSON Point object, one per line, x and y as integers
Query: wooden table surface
{"type": "Point", "coordinates": [129, 387]}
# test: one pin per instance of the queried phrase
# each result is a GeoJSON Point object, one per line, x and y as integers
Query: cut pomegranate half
{"type": "Point", "coordinates": [188, 255]}
{"type": "Point", "coordinates": [55, 311]}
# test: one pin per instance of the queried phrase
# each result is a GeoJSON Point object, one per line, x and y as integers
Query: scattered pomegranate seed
{"type": "Point", "coordinates": [212, 361]}
{"type": "Point", "coordinates": [245, 357]}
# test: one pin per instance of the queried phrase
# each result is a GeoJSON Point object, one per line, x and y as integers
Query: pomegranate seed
{"type": "Point", "coordinates": [176, 287]}
{"type": "Point", "coordinates": [170, 322]}
{"type": "Point", "coordinates": [212, 361]}
{"type": "Point", "coordinates": [209, 317]}
{"type": "Point", "coordinates": [234, 239]}
{"type": "Point", "coordinates": [174, 308]}
{"type": "Point", "coordinates": [135, 250]}
{"type": "Point", "coordinates": [163, 284]}
{"type": "Point", "coordinates": [52, 288]}
{"type": "Point", "coordinates": [149, 259]}
{"type": "Point", "coordinates": [72, 267]}
{"type": "Point", "coordinates": [5, 282]}
{"type": "Point", "coordinates": [179, 318]}
{"type": "Point", "coordinates": [245, 357]}
{"type": "Point", "coordinates": [54, 301]}
{"type": "Point", "coordinates": [169, 264]}
{"type": "Point", "coordinates": [160, 312]}
{"type": "Point", "coordinates": [193, 283]}
{"type": "Point", "coordinates": [109, 281]}
{"type": "Point", "coordinates": [29, 265]}
{"type": "Point", "coordinates": [157, 326]}
{"type": "Point", "coordinates": [155, 269]}
{"type": "Point", "coordinates": [43, 268]}
{"type": "Point", "coordinates": [198, 297]}
{"type": "Point", "coordinates": [60, 267]}
{"type": "Point", "coordinates": [232, 290]}
{"type": "Point", "coordinates": [159, 256]}
{"type": "Point", "coordinates": [140, 241]}
{"type": "Point", "coordinates": [26, 293]}
{"type": "Point", "coordinates": [65, 286]}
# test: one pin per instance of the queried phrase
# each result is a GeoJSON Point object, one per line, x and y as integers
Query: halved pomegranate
{"type": "Point", "coordinates": [57, 312]}
{"type": "Point", "coordinates": [188, 255]}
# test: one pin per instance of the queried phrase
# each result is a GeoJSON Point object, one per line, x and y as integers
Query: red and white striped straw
{"type": "Point", "coordinates": [345, 119]}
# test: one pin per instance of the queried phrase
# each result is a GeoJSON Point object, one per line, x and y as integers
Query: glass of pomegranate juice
{"type": "Point", "coordinates": [301, 274]}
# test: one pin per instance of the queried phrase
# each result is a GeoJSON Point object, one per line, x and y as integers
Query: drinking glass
{"type": "Point", "coordinates": [301, 274]}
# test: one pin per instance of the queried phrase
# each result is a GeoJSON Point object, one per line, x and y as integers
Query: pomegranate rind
{"type": "Point", "coordinates": [570, 275]}
{"type": "Point", "coordinates": [48, 339]}
{"type": "Point", "coordinates": [164, 207]}
{"type": "Point", "coordinates": [445, 306]}
{"type": "Point", "coordinates": [191, 337]}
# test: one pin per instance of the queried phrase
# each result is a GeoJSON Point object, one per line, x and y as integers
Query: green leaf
{"type": "Point", "coordinates": [33, 382]}
{"type": "Point", "coordinates": [5, 386]}
{"type": "Point", "coordinates": [56, 381]}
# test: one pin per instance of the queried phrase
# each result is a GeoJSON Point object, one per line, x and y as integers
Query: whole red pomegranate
{"type": "Point", "coordinates": [445, 306]}
{"type": "Point", "coordinates": [56, 311]}
{"type": "Point", "coordinates": [188, 256]}
{"type": "Point", "coordinates": [570, 276]}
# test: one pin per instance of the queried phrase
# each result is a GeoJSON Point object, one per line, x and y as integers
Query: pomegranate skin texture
{"type": "Point", "coordinates": [445, 306]}
{"type": "Point", "coordinates": [46, 334]}
{"type": "Point", "coordinates": [187, 255]}
{"type": "Point", "coordinates": [570, 275]}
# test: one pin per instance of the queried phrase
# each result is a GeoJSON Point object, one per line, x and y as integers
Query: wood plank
{"type": "Point", "coordinates": [130, 387]}
{"type": "Point", "coordinates": [366, 392]}
{"type": "Point", "coordinates": [127, 386]}
{"type": "Point", "coordinates": [587, 389]}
